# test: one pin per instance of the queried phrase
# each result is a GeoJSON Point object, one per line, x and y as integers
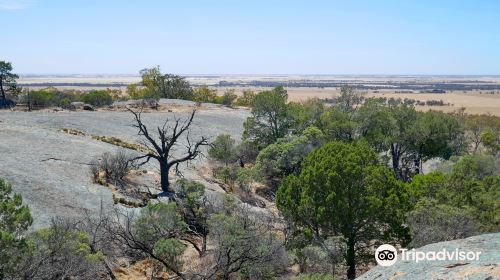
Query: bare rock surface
{"type": "Point", "coordinates": [50, 168]}
{"type": "Point", "coordinates": [486, 268]}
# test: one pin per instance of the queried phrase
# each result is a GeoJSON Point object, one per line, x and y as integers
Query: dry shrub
{"type": "Point", "coordinates": [114, 167]}
{"type": "Point", "coordinates": [95, 170]}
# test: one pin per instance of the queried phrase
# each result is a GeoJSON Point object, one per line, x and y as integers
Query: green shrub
{"type": "Point", "coordinates": [39, 98]}
{"type": "Point", "coordinates": [285, 156]}
{"type": "Point", "coordinates": [156, 232]}
{"type": "Point", "coordinates": [244, 178]}
{"type": "Point", "coordinates": [98, 98]}
{"type": "Point", "coordinates": [50, 97]}
{"type": "Point", "coordinates": [205, 94]}
{"type": "Point", "coordinates": [65, 102]}
{"type": "Point", "coordinates": [222, 149]}
{"type": "Point", "coordinates": [226, 173]}
{"type": "Point", "coordinates": [62, 249]}
{"type": "Point", "coordinates": [246, 99]}
{"type": "Point", "coordinates": [136, 92]}
{"type": "Point", "coordinates": [473, 183]}
{"type": "Point", "coordinates": [246, 152]}
{"type": "Point", "coordinates": [228, 98]}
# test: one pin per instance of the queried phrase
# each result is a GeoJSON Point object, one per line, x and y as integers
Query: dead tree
{"type": "Point", "coordinates": [164, 143]}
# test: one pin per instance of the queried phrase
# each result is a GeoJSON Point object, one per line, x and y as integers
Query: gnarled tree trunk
{"type": "Point", "coordinates": [164, 170]}
{"type": "Point", "coordinates": [351, 259]}
{"type": "Point", "coordinates": [162, 146]}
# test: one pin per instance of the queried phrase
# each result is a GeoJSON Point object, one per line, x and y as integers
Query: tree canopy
{"type": "Point", "coordinates": [411, 137]}
{"type": "Point", "coordinates": [284, 157]}
{"type": "Point", "coordinates": [473, 184]}
{"type": "Point", "coordinates": [343, 190]}
{"type": "Point", "coordinates": [223, 148]}
{"type": "Point", "coordinates": [165, 85]}
{"type": "Point", "coordinates": [15, 218]}
{"type": "Point", "coordinates": [270, 119]}
{"type": "Point", "coordinates": [7, 82]}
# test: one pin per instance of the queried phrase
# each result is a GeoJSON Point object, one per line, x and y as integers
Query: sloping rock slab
{"type": "Point", "coordinates": [486, 268]}
{"type": "Point", "coordinates": [50, 168]}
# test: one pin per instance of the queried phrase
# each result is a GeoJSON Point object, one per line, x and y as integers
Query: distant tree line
{"type": "Point", "coordinates": [87, 85]}
{"type": "Point", "coordinates": [423, 87]}
{"type": "Point", "coordinates": [397, 101]}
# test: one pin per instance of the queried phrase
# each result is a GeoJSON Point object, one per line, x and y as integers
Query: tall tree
{"type": "Point", "coordinates": [338, 125]}
{"type": "Point", "coordinates": [482, 131]}
{"type": "Point", "coordinates": [435, 134]}
{"type": "Point", "coordinates": [339, 121]}
{"type": "Point", "coordinates": [349, 100]}
{"type": "Point", "coordinates": [7, 81]}
{"type": "Point", "coordinates": [491, 141]}
{"type": "Point", "coordinates": [305, 114]}
{"type": "Point", "coordinates": [270, 119]}
{"type": "Point", "coordinates": [166, 85]}
{"type": "Point", "coordinates": [342, 190]}
{"type": "Point", "coordinates": [411, 137]}
{"type": "Point", "coordinates": [162, 146]}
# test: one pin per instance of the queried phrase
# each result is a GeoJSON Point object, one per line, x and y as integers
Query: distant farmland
{"type": "Point", "coordinates": [478, 94]}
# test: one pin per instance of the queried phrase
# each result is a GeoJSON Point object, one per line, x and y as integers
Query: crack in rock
{"type": "Point", "coordinates": [58, 159]}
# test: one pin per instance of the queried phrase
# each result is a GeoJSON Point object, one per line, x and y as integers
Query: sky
{"type": "Point", "coordinates": [384, 37]}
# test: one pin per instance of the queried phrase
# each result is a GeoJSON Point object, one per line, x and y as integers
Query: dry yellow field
{"type": "Point", "coordinates": [473, 102]}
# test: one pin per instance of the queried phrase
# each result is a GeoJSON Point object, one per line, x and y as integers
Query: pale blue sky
{"type": "Point", "coordinates": [252, 36]}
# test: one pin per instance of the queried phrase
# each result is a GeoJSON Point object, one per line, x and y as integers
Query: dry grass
{"type": "Point", "coordinates": [121, 143]}
{"type": "Point", "coordinates": [72, 131]}
{"type": "Point", "coordinates": [141, 270]}
{"type": "Point", "coordinates": [110, 140]}
{"type": "Point", "coordinates": [474, 102]}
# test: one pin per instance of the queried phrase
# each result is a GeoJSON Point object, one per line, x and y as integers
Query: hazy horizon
{"type": "Point", "coordinates": [253, 74]}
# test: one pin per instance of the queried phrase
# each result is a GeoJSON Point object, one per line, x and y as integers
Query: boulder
{"type": "Point", "coordinates": [127, 103]}
{"type": "Point", "coordinates": [88, 107]}
{"type": "Point", "coordinates": [486, 267]}
{"type": "Point", "coordinates": [165, 197]}
{"type": "Point", "coordinates": [76, 105]}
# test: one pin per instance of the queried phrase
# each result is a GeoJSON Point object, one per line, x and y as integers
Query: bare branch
{"type": "Point", "coordinates": [163, 144]}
